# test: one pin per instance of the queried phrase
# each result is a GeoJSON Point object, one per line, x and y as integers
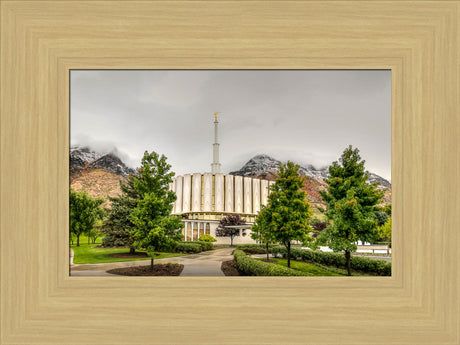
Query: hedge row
{"type": "Point", "coordinates": [256, 248]}
{"type": "Point", "coordinates": [193, 247]}
{"type": "Point", "coordinates": [251, 267]}
{"type": "Point", "coordinates": [357, 263]}
{"type": "Point", "coordinates": [205, 246]}
{"type": "Point", "coordinates": [188, 247]}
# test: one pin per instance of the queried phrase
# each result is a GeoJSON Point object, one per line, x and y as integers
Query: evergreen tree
{"type": "Point", "coordinates": [118, 223]}
{"type": "Point", "coordinates": [351, 204]}
{"type": "Point", "coordinates": [381, 217]}
{"type": "Point", "coordinates": [84, 212]}
{"type": "Point", "coordinates": [288, 212]}
{"type": "Point", "coordinates": [154, 228]}
{"type": "Point", "coordinates": [223, 231]}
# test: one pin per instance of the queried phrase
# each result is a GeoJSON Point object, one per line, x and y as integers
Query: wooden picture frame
{"type": "Point", "coordinates": [42, 40]}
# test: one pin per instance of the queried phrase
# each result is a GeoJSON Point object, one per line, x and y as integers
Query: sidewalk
{"type": "Point", "coordinates": [203, 264]}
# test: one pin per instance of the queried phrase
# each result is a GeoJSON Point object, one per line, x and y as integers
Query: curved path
{"type": "Point", "coordinates": [203, 264]}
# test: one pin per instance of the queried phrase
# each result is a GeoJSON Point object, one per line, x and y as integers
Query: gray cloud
{"type": "Point", "coordinates": [306, 116]}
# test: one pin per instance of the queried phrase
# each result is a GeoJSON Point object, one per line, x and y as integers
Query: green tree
{"type": "Point", "coordinates": [387, 209]}
{"type": "Point", "coordinates": [222, 229]}
{"type": "Point", "coordinates": [95, 232]}
{"type": "Point", "coordinates": [118, 222]}
{"type": "Point", "coordinates": [84, 212]}
{"type": "Point", "coordinates": [154, 227]}
{"type": "Point", "coordinates": [260, 230]}
{"type": "Point", "coordinates": [381, 217]}
{"type": "Point", "coordinates": [351, 204]}
{"type": "Point", "coordinates": [384, 231]}
{"type": "Point", "coordinates": [288, 212]}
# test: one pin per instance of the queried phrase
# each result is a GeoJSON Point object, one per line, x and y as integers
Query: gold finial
{"type": "Point", "coordinates": [216, 114]}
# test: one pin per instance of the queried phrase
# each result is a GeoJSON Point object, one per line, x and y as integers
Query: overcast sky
{"type": "Point", "coordinates": [309, 117]}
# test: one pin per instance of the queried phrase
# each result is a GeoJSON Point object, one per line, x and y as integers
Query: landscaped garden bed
{"type": "Point", "coordinates": [93, 254]}
{"type": "Point", "coordinates": [229, 268]}
{"type": "Point", "coordinates": [168, 269]}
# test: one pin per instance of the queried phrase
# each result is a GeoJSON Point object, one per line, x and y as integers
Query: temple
{"type": "Point", "coordinates": [203, 199]}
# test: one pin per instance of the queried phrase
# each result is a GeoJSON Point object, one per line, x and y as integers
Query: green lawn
{"type": "Point", "coordinates": [86, 254]}
{"type": "Point", "coordinates": [306, 268]}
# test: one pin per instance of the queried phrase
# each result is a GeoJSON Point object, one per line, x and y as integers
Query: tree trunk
{"type": "Point", "coordinates": [88, 238]}
{"type": "Point", "coordinates": [267, 250]}
{"type": "Point", "coordinates": [132, 250]}
{"type": "Point", "coordinates": [151, 263]}
{"type": "Point", "coordinates": [231, 241]}
{"type": "Point", "coordinates": [78, 240]}
{"type": "Point", "coordinates": [289, 254]}
{"type": "Point", "coordinates": [347, 257]}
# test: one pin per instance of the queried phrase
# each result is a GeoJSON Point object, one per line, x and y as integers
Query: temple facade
{"type": "Point", "coordinates": [203, 199]}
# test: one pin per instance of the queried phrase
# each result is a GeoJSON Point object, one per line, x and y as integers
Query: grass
{"type": "Point", "coordinates": [308, 269]}
{"type": "Point", "coordinates": [86, 254]}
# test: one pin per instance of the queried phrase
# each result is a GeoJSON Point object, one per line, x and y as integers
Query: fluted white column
{"type": "Point", "coordinates": [207, 195]}
{"type": "Point", "coordinates": [247, 192]}
{"type": "Point", "coordinates": [178, 190]}
{"type": "Point", "coordinates": [229, 193]}
{"type": "Point", "coordinates": [218, 192]}
{"type": "Point", "coordinates": [187, 194]}
{"type": "Point", "coordinates": [255, 195]}
{"type": "Point", "coordinates": [238, 194]}
{"type": "Point", "coordinates": [196, 192]}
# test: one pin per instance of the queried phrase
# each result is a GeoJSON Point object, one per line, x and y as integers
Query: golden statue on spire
{"type": "Point", "coordinates": [216, 114]}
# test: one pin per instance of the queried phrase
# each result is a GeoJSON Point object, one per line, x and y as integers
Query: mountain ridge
{"type": "Point", "coordinates": [97, 173]}
{"type": "Point", "coordinates": [263, 164]}
{"type": "Point", "coordinates": [100, 174]}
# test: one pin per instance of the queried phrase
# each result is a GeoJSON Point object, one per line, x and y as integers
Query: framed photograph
{"type": "Point", "coordinates": [42, 41]}
{"type": "Point", "coordinates": [258, 176]}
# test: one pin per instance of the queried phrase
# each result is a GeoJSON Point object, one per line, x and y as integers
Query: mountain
{"type": "Point", "coordinates": [97, 173]}
{"type": "Point", "coordinates": [264, 164]}
{"type": "Point", "coordinates": [84, 158]}
{"type": "Point", "coordinates": [265, 167]}
{"type": "Point", "coordinates": [111, 163]}
{"type": "Point", "coordinates": [81, 157]}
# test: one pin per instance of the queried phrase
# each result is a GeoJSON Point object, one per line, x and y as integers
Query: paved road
{"type": "Point", "coordinates": [202, 264]}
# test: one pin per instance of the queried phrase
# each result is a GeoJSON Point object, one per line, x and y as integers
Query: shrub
{"type": "Point", "coordinates": [205, 246]}
{"type": "Point", "coordinates": [251, 267]}
{"type": "Point", "coordinates": [188, 247]}
{"type": "Point", "coordinates": [207, 238]}
{"type": "Point", "coordinates": [256, 248]}
{"type": "Point", "coordinates": [357, 263]}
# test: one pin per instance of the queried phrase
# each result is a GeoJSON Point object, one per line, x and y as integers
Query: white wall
{"type": "Point", "coordinates": [229, 193]}
{"type": "Point", "coordinates": [219, 193]}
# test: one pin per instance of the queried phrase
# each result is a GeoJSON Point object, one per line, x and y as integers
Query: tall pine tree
{"type": "Point", "coordinates": [286, 217]}
{"type": "Point", "coordinates": [351, 204]}
{"type": "Point", "coordinates": [118, 223]}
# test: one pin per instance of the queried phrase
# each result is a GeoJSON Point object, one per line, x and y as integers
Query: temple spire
{"type": "Point", "coordinates": [215, 166]}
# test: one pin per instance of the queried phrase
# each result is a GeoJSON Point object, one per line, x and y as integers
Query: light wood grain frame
{"type": "Point", "coordinates": [417, 40]}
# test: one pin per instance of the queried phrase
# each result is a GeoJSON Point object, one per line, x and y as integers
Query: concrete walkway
{"type": "Point", "coordinates": [204, 264]}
